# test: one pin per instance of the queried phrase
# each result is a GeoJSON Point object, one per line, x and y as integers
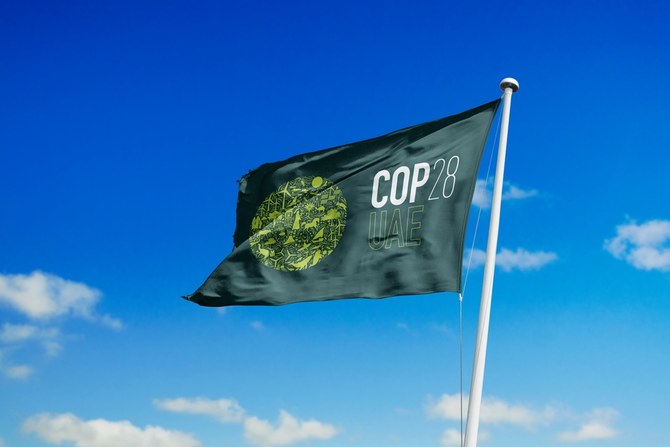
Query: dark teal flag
{"type": "Point", "coordinates": [372, 219]}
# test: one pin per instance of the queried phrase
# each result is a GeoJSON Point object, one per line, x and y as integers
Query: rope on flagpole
{"type": "Point", "coordinates": [479, 213]}
{"type": "Point", "coordinates": [460, 353]}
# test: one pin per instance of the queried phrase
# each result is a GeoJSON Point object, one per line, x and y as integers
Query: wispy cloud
{"type": "Point", "coordinates": [110, 322]}
{"type": "Point", "coordinates": [13, 334]}
{"type": "Point", "coordinates": [46, 300]}
{"type": "Point", "coordinates": [493, 411]}
{"type": "Point", "coordinates": [17, 372]}
{"type": "Point", "coordinates": [17, 332]}
{"type": "Point", "coordinates": [43, 296]}
{"type": "Point", "coordinates": [402, 326]}
{"type": "Point", "coordinates": [512, 192]}
{"type": "Point", "coordinates": [224, 410]}
{"type": "Point", "coordinates": [508, 260]}
{"type": "Point", "coordinates": [523, 260]}
{"type": "Point", "coordinates": [257, 325]}
{"type": "Point", "coordinates": [598, 424]}
{"type": "Point", "coordinates": [452, 437]}
{"type": "Point", "coordinates": [13, 371]}
{"type": "Point", "coordinates": [288, 429]}
{"type": "Point", "coordinates": [484, 193]}
{"type": "Point", "coordinates": [645, 246]}
{"type": "Point", "coordinates": [58, 428]}
{"type": "Point", "coordinates": [443, 328]}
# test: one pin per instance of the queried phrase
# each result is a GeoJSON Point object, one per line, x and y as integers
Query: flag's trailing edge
{"type": "Point", "coordinates": [373, 219]}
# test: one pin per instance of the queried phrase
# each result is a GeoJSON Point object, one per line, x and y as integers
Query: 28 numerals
{"type": "Point", "coordinates": [450, 179]}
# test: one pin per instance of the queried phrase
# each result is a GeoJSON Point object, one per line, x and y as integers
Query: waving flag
{"type": "Point", "coordinates": [373, 219]}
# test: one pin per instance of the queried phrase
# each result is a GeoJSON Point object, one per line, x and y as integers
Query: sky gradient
{"type": "Point", "coordinates": [125, 126]}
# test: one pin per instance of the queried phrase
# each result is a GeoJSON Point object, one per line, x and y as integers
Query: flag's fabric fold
{"type": "Point", "coordinates": [372, 219]}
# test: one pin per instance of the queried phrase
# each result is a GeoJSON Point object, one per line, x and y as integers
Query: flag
{"type": "Point", "coordinates": [373, 219]}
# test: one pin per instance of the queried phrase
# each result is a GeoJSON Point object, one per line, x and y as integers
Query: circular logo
{"type": "Point", "coordinates": [299, 224]}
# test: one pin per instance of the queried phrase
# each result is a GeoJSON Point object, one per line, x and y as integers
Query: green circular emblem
{"type": "Point", "coordinates": [299, 224]}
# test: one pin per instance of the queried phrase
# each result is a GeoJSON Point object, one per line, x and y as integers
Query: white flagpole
{"type": "Point", "coordinates": [508, 86]}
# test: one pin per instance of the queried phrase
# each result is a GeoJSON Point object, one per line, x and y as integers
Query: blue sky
{"type": "Point", "coordinates": [125, 125]}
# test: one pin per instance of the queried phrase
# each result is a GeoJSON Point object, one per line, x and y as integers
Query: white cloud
{"type": "Point", "coordinates": [43, 296]}
{"type": "Point", "coordinates": [19, 333]}
{"type": "Point", "coordinates": [452, 437]}
{"type": "Point", "coordinates": [482, 196]}
{"type": "Point", "coordinates": [597, 425]}
{"type": "Point", "coordinates": [645, 246]}
{"type": "Point", "coordinates": [475, 258]}
{"type": "Point", "coordinates": [18, 372]}
{"type": "Point", "coordinates": [257, 325]}
{"type": "Point", "coordinates": [15, 372]}
{"type": "Point", "coordinates": [484, 193]}
{"type": "Point", "coordinates": [493, 411]}
{"type": "Point", "coordinates": [402, 326]}
{"type": "Point", "coordinates": [448, 407]}
{"type": "Point", "coordinates": [224, 410]}
{"type": "Point", "coordinates": [2, 442]}
{"type": "Point", "coordinates": [523, 259]}
{"type": "Point", "coordinates": [52, 348]}
{"type": "Point", "coordinates": [496, 411]}
{"type": "Point", "coordinates": [515, 193]}
{"type": "Point", "coordinates": [110, 322]}
{"type": "Point", "coordinates": [509, 260]}
{"type": "Point", "coordinates": [58, 428]}
{"type": "Point", "coordinates": [288, 430]}
{"type": "Point", "coordinates": [442, 328]}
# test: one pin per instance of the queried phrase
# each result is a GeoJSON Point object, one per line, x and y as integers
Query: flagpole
{"type": "Point", "coordinates": [508, 86]}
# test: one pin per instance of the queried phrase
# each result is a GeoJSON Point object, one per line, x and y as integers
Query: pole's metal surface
{"type": "Point", "coordinates": [508, 85]}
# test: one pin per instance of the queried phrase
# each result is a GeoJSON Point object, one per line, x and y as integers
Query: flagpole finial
{"type": "Point", "coordinates": [509, 83]}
